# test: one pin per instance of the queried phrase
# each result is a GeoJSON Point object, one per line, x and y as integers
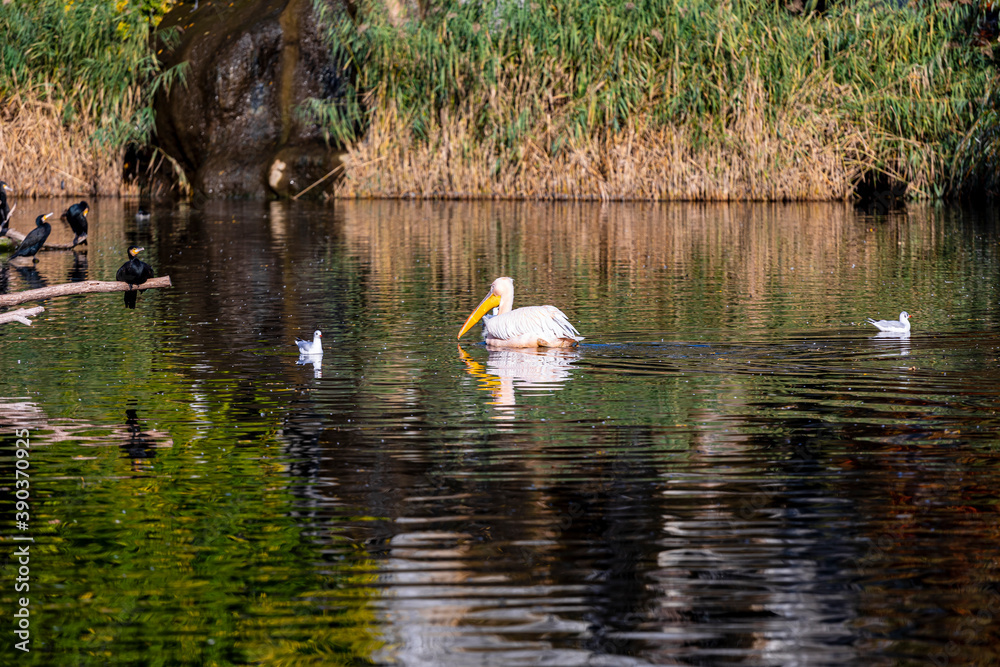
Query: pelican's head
{"type": "Point", "coordinates": [134, 250]}
{"type": "Point", "coordinates": [503, 286]}
{"type": "Point", "coordinates": [502, 289]}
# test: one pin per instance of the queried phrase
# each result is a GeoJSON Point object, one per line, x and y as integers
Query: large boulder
{"type": "Point", "coordinates": [232, 125]}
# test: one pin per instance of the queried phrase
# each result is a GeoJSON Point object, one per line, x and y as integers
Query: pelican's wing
{"type": "Point", "coordinates": [546, 322]}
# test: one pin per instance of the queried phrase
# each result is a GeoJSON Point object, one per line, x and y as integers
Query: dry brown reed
{"type": "Point", "coordinates": [653, 100]}
{"type": "Point", "coordinates": [42, 155]}
{"type": "Point", "coordinates": [807, 153]}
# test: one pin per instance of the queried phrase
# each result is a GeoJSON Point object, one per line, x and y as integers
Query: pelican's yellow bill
{"type": "Point", "coordinates": [489, 303]}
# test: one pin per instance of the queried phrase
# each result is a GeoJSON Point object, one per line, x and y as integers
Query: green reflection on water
{"type": "Point", "coordinates": [184, 533]}
{"type": "Point", "coordinates": [179, 544]}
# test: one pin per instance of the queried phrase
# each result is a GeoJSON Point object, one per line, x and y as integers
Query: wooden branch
{"type": "Point", "coordinates": [334, 171]}
{"type": "Point", "coordinates": [18, 237]}
{"type": "Point", "coordinates": [20, 315]}
{"type": "Point", "coordinates": [85, 287]}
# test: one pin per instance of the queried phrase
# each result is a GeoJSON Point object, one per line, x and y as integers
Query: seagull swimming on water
{"type": "Point", "coordinates": [900, 326]}
{"type": "Point", "coordinates": [314, 346]}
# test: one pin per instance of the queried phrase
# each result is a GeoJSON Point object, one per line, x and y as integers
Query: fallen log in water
{"type": "Point", "coordinates": [20, 315]}
{"type": "Point", "coordinates": [85, 287]}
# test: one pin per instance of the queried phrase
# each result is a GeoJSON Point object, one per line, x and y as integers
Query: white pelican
{"type": "Point", "coordinates": [315, 346]}
{"type": "Point", "coordinates": [531, 326]}
{"type": "Point", "coordinates": [902, 325]}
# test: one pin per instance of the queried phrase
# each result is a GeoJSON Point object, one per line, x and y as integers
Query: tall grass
{"type": "Point", "coordinates": [77, 78]}
{"type": "Point", "coordinates": [977, 164]}
{"type": "Point", "coordinates": [651, 99]}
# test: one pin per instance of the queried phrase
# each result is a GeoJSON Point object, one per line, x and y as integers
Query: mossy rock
{"type": "Point", "coordinates": [249, 67]}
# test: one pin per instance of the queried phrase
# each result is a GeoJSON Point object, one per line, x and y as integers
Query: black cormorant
{"type": "Point", "coordinates": [134, 272]}
{"type": "Point", "coordinates": [35, 239]}
{"type": "Point", "coordinates": [76, 216]}
{"type": "Point", "coordinates": [4, 208]}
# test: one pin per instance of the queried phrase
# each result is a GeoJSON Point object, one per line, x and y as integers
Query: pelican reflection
{"type": "Point", "coordinates": [526, 369]}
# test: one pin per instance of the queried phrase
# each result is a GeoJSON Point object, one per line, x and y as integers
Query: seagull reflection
{"type": "Point", "coordinates": [902, 337]}
{"type": "Point", "coordinates": [527, 369]}
{"type": "Point", "coordinates": [315, 359]}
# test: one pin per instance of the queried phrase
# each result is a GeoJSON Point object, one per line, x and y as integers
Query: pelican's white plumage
{"type": "Point", "coordinates": [314, 346]}
{"type": "Point", "coordinates": [902, 325]}
{"type": "Point", "coordinates": [489, 316]}
{"type": "Point", "coordinates": [531, 326]}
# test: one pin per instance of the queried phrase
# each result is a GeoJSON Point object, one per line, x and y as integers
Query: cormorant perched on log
{"type": "Point", "coordinates": [35, 239]}
{"type": "Point", "coordinates": [76, 216]}
{"type": "Point", "coordinates": [4, 208]}
{"type": "Point", "coordinates": [134, 272]}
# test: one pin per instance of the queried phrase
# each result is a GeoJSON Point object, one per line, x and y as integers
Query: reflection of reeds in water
{"type": "Point", "coordinates": [739, 255]}
{"type": "Point", "coordinates": [469, 240]}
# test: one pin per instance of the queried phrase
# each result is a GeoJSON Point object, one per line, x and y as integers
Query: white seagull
{"type": "Point", "coordinates": [900, 326]}
{"type": "Point", "coordinates": [314, 346]}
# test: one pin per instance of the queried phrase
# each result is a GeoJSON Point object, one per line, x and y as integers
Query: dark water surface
{"type": "Point", "coordinates": [732, 469]}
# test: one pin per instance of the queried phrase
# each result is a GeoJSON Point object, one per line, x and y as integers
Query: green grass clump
{"type": "Point", "coordinates": [747, 92]}
{"type": "Point", "coordinates": [84, 64]}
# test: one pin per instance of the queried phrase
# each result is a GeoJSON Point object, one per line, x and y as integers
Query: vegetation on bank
{"type": "Point", "coordinates": [77, 79]}
{"type": "Point", "coordinates": [658, 99]}
{"type": "Point", "coordinates": [649, 99]}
